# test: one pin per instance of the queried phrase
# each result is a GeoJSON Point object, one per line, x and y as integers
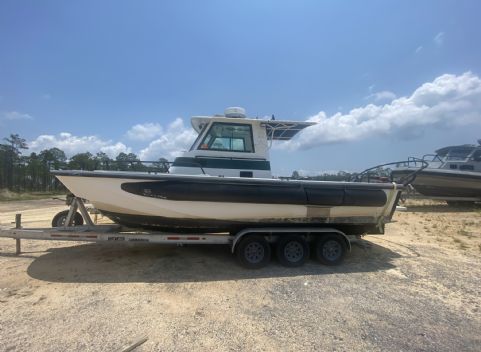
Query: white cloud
{"type": "Point", "coordinates": [15, 115]}
{"type": "Point", "coordinates": [449, 100]}
{"type": "Point", "coordinates": [171, 143]}
{"type": "Point", "coordinates": [418, 49]}
{"type": "Point", "coordinates": [72, 145]}
{"type": "Point", "coordinates": [381, 96]}
{"type": "Point", "coordinates": [144, 132]}
{"type": "Point", "coordinates": [439, 39]}
{"type": "Point", "coordinates": [115, 149]}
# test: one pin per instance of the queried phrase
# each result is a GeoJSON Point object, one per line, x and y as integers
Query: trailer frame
{"type": "Point", "coordinates": [119, 234]}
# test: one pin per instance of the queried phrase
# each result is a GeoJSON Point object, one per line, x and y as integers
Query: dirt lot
{"type": "Point", "coordinates": [417, 288]}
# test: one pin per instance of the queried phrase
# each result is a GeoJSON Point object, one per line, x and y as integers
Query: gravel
{"type": "Point", "coordinates": [408, 290]}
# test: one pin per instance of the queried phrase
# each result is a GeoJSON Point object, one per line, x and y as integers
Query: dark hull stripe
{"type": "Point", "coordinates": [432, 191]}
{"type": "Point", "coordinates": [220, 163]}
{"type": "Point", "coordinates": [445, 184]}
{"type": "Point", "coordinates": [275, 193]}
{"type": "Point", "coordinates": [475, 176]}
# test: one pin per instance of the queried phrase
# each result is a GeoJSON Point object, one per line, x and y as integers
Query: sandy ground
{"type": "Point", "coordinates": [417, 288]}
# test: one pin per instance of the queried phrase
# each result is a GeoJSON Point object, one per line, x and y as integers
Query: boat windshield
{"type": "Point", "coordinates": [228, 137]}
{"type": "Point", "coordinates": [477, 155]}
{"type": "Point", "coordinates": [459, 153]}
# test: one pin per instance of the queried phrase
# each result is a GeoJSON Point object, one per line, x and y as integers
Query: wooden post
{"type": "Point", "coordinates": [135, 344]}
{"type": "Point", "coordinates": [18, 225]}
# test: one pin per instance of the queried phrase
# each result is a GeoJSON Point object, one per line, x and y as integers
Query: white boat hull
{"type": "Point", "coordinates": [107, 195]}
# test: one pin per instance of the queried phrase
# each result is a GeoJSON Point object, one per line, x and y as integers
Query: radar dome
{"type": "Point", "coordinates": [235, 112]}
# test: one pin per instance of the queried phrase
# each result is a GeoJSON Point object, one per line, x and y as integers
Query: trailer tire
{"type": "Point", "coordinates": [253, 252]}
{"type": "Point", "coordinates": [330, 249]}
{"type": "Point", "coordinates": [59, 219]}
{"type": "Point", "coordinates": [292, 250]}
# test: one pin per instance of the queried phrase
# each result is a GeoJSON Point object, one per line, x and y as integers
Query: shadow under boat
{"type": "Point", "coordinates": [100, 263]}
{"type": "Point", "coordinates": [443, 208]}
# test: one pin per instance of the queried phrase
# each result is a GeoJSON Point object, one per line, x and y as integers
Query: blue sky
{"type": "Point", "coordinates": [96, 69]}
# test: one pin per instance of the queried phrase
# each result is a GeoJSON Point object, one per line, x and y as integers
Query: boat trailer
{"type": "Point", "coordinates": [252, 246]}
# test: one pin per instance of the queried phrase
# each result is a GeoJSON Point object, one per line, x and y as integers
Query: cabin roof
{"type": "Point", "coordinates": [284, 130]}
{"type": "Point", "coordinates": [275, 129]}
{"type": "Point", "coordinates": [466, 147]}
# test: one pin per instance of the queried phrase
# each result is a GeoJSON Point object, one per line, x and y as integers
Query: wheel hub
{"type": "Point", "coordinates": [293, 251]}
{"type": "Point", "coordinates": [331, 250]}
{"type": "Point", "coordinates": [254, 252]}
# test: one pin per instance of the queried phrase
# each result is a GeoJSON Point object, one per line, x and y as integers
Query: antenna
{"type": "Point", "coordinates": [235, 112]}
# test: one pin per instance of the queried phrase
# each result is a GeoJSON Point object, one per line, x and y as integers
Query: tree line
{"type": "Point", "coordinates": [339, 176]}
{"type": "Point", "coordinates": [21, 171]}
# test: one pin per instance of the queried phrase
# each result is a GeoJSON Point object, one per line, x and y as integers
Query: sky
{"type": "Point", "coordinates": [384, 79]}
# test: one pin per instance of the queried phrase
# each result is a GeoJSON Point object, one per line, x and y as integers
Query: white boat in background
{"type": "Point", "coordinates": [224, 183]}
{"type": "Point", "coordinates": [453, 174]}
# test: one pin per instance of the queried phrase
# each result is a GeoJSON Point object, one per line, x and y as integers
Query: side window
{"type": "Point", "coordinates": [203, 127]}
{"type": "Point", "coordinates": [228, 137]}
{"type": "Point", "coordinates": [467, 167]}
{"type": "Point", "coordinates": [477, 155]}
{"type": "Point", "coordinates": [459, 153]}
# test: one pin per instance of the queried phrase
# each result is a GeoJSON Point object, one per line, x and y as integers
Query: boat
{"type": "Point", "coordinates": [224, 183]}
{"type": "Point", "coordinates": [453, 173]}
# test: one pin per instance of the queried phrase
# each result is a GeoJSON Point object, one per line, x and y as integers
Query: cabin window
{"type": "Point", "coordinates": [459, 153]}
{"type": "Point", "coordinates": [228, 137]}
{"type": "Point", "coordinates": [466, 167]}
{"type": "Point", "coordinates": [202, 129]}
{"type": "Point", "coordinates": [453, 166]}
{"type": "Point", "coordinates": [477, 155]}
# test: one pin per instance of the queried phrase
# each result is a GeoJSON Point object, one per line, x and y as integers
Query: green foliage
{"type": "Point", "coordinates": [31, 173]}
{"type": "Point", "coordinates": [339, 176]}
{"type": "Point", "coordinates": [128, 162]}
{"type": "Point", "coordinates": [82, 161]}
{"type": "Point", "coordinates": [16, 143]}
{"type": "Point", "coordinates": [162, 165]}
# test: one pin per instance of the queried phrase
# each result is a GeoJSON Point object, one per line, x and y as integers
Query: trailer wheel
{"type": "Point", "coordinates": [59, 219]}
{"type": "Point", "coordinates": [292, 250]}
{"type": "Point", "coordinates": [253, 252]}
{"type": "Point", "coordinates": [330, 249]}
